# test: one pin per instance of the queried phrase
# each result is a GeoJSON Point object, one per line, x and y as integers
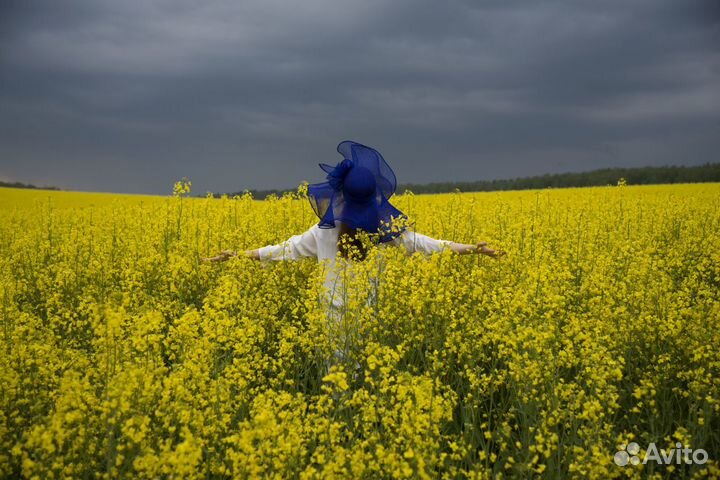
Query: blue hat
{"type": "Point", "coordinates": [357, 191]}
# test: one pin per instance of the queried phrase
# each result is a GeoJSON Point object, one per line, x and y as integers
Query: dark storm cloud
{"type": "Point", "coordinates": [129, 96]}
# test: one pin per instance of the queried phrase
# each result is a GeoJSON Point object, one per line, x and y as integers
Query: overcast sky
{"type": "Point", "coordinates": [129, 96]}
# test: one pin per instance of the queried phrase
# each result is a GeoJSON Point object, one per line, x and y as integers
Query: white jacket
{"type": "Point", "coordinates": [321, 243]}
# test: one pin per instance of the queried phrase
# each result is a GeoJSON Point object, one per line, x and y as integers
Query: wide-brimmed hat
{"type": "Point", "coordinates": [357, 193]}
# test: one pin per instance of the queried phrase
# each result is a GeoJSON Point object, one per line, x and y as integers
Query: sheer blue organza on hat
{"type": "Point", "coordinates": [357, 192]}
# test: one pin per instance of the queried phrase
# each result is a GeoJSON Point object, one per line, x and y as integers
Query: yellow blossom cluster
{"type": "Point", "coordinates": [122, 355]}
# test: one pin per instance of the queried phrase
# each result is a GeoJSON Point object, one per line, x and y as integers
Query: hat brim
{"type": "Point", "coordinates": [375, 216]}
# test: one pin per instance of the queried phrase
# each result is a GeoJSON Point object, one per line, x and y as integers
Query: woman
{"type": "Point", "coordinates": [353, 207]}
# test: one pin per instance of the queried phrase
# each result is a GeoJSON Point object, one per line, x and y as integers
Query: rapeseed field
{"type": "Point", "coordinates": [122, 355]}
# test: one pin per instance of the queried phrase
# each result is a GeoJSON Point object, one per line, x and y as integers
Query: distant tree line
{"type": "Point", "coordinates": [708, 172]}
{"type": "Point", "coordinates": [25, 185]}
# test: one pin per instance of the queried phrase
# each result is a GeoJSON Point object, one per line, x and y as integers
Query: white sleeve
{"type": "Point", "coordinates": [417, 242]}
{"type": "Point", "coordinates": [294, 248]}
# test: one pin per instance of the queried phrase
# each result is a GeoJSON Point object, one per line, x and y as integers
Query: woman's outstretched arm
{"type": "Point", "coordinates": [294, 248]}
{"type": "Point", "coordinates": [417, 242]}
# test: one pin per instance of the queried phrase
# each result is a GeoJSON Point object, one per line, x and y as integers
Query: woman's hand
{"type": "Point", "coordinates": [481, 247]}
{"type": "Point", "coordinates": [228, 254]}
{"type": "Point", "coordinates": [221, 257]}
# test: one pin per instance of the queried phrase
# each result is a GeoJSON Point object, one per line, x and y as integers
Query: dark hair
{"type": "Point", "coordinates": [350, 245]}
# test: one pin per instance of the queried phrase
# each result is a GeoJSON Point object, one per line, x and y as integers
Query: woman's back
{"type": "Point", "coordinates": [322, 243]}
